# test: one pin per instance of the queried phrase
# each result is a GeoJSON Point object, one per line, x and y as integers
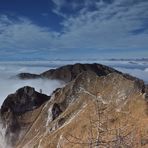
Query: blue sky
{"type": "Point", "coordinates": [52, 29]}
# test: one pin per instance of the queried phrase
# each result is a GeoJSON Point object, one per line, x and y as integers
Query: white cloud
{"type": "Point", "coordinates": [58, 6]}
{"type": "Point", "coordinates": [23, 34]}
{"type": "Point", "coordinates": [96, 25]}
{"type": "Point", "coordinates": [59, 3]}
{"type": "Point", "coordinates": [108, 26]}
{"type": "Point", "coordinates": [9, 84]}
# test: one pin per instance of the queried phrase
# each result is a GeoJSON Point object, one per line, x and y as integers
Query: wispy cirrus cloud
{"type": "Point", "coordinates": [96, 25]}
{"type": "Point", "coordinates": [108, 25]}
{"type": "Point", "coordinates": [22, 34]}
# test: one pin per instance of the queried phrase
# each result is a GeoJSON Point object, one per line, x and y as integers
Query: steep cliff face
{"type": "Point", "coordinates": [106, 109]}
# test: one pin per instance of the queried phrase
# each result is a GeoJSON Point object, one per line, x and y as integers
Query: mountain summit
{"type": "Point", "coordinates": [98, 107]}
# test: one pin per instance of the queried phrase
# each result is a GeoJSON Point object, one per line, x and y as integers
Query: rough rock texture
{"type": "Point", "coordinates": [98, 106]}
{"type": "Point", "coordinates": [70, 72]}
{"type": "Point", "coordinates": [56, 111]}
{"type": "Point", "coordinates": [146, 92]}
{"type": "Point", "coordinates": [146, 88]}
{"type": "Point", "coordinates": [121, 104]}
{"type": "Point", "coordinates": [24, 100]}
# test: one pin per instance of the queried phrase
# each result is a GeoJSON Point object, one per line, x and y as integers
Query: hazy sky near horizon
{"type": "Point", "coordinates": [50, 29]}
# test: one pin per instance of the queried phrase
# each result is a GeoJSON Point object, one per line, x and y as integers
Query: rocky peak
{"type": "Point", "coordinates": [24, 99]}
{"type": "Point", "coordinates": [91, 84]}
{"type": "Point", "coordinates": [62, 114]}
{"type": "Point", "coordinates": [70, 72]}
{"type": "Point", "coordinates": [17, 105]}
{"type": "Point", "coordinates": [52, 117]}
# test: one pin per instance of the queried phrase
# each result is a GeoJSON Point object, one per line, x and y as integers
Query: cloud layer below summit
{"type": "Point", "coordinates": [9, 84]}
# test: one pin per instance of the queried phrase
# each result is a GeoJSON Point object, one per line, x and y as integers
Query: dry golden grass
{"type": "Point", "coordinates": [79, 125]}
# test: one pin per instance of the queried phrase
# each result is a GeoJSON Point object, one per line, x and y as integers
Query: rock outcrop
{"type": "Point", "coordinates": [99, 106]}
{"type": "Point", "coordinates": [70, 72]}
{"type": "Point", "coordinates": [24, 100]}
{"type": "Point", "coordinates": [113, 99]}
{"type": "Point", "coordinates": [146, 92]}
{"type": "Point", "coordinates": [28, 76]}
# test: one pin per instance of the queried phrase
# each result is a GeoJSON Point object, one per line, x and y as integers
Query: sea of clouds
{"type": "Point", "coordinates": [9, 83]}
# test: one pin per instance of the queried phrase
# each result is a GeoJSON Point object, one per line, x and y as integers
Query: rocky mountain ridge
{"type": "Point", "coordinates": [94, 94]}
{"type": "Point", "coordinates": [69, 72]}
